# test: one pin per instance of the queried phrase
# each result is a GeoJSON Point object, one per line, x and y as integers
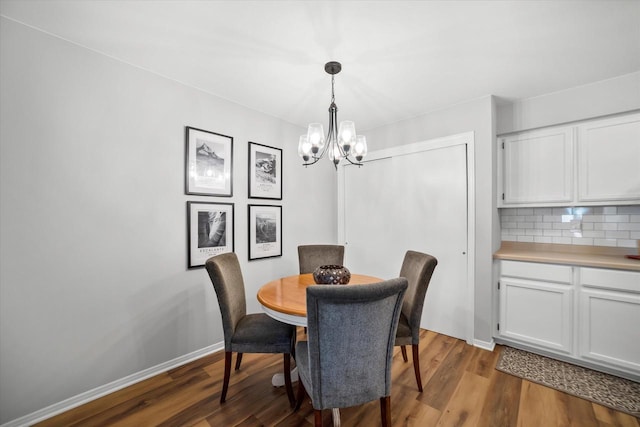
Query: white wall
{"type": "Point", "coordinates": [93, 277]}
{"type": "Point", "coordinates": [476, 116]}
{"type": "Point", "coordinates": [611, 96]}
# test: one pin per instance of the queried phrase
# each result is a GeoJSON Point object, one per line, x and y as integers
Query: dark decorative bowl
{"type": "Point", "coordinates": [332, 275]}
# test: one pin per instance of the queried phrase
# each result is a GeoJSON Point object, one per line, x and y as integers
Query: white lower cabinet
{"type": "Point", "coordinates": [609, 331]}
{"type": "Point", "coordinates": [587, 315]}
{"type": "Point", "coordinates": [536, 305]}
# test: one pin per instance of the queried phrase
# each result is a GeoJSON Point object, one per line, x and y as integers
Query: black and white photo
{"type": "Point", "coordinates": [210, 229]}
{"type": "Point", "coordinates": [209, 163]}
{"type": "Point", "coordinates": [265, 231]}
{"type": "Point", "coordinates": [265, 172]}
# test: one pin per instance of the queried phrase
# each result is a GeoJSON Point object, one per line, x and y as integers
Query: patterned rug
{"type": "Point", "coordinates": [607, 390]}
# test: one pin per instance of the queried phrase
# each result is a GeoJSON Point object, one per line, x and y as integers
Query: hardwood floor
{"type": "Point", "coordinates": [461, 388]}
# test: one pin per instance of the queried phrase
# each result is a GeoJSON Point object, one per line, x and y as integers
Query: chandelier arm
{"type": "Point", "coordinates": [356, 163]}
{"type": "Point", "coordinates": [346, 157]}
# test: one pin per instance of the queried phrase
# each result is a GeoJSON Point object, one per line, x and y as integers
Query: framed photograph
{"type": "Point", "coordinates": [265, 231]}
{"type": "Point", "coordinates": [209, 168]}
{"type": "Point", "coordinates": [265, 172]}
{"type": "Point", "coordinates": [210, 230]}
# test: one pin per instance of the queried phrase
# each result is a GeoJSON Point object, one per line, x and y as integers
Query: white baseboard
{"type": "Point", "coordinates": [487, 345]}
{"type": "Point", "coordinates": [103, 390]}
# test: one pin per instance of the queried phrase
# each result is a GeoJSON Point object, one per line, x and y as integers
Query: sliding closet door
{"type": "Point", "coordinates": [413, 201]}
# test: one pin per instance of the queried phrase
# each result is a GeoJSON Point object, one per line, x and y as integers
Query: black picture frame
{"type": "Point", "coordinates": [264, 231]}
{"type": "Point", "coordinates": [265, 172]}
{"type": "Point", "coordinates": [210, 231]}
{"type": "Point", "coordinates": [208, 163]}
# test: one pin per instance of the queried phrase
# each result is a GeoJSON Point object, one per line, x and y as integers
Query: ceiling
{"type": "Point", "coordinates": [399, 59]}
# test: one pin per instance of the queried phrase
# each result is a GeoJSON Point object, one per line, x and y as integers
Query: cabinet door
{"type": "Point", "coordinates": [538, 167]}
{"type": "Point", "coordinates": [534, 310]}
{"type": "Point", "coordinates": [609, 160]}
{"type": "Point", "coordinates": [610, 318]}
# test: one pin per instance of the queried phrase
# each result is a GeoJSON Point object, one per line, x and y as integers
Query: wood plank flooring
{"type": "Point", "coordinates": [461, 388]}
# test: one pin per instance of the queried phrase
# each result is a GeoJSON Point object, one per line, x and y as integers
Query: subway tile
{"type": "Point", "coordinates": [552, 233]}
{"type": "Point", "coordinates": [509, 239]}
{"type": "Point", "coordinates": [634, 209]}
{"type": "Point", "coordinates": [542, 211]}
{"type": "Point", "coordinates": [593, 218]}
{"type": "Point", "coordinates": [634, 218]}
{"type": "Point", "coordinates": [543, 225]}
{"type": "Point", "coordinates": [561, 225]}
{"type": "Point", "coordinates": [617, 234]}
{"type": "Point", "coordinates": [528, 239]}
{"type": "Point", "coordinates": [552, 218]}
{"type": "Point", "coordinates": [525, 225]}
{"type": "Point", "coordinates": [635, 235]}
{"type": "Point", "coordinates": [517, 232]}
{"type": "Point", "coordinates": [509, 218]}
{"type": "Point", "coordinates": [597, 210]}
{"type": "Point", "coordinates": [533, 218]}
{"type": "Point", "coordinates": [583, 211]}
{"type": "Point", "coordinates": [525, 211]}
{"type": "Point", "coordinates": [533, 232]}
{"type": "Point", "coordinates": [609, 210]}
{"type": "Point", "coordinates": [594, 234]}
{"type": "Point", "coordinates": [633, 226]}
{"type": "Point", "coordinates": [605, 242]}
{"type": "Point", "coordinates": [562, 211]}
{"type": "Point", "coordinates": [616, 218]}
{"type": "Point", "coordinates": [509, 225]}
{"type": "Point", "coordinates": [568, 233]}
{"type": "Point", "coordinates": [610, 226]}
{"type": "Point", "coordinates": [587, 226]}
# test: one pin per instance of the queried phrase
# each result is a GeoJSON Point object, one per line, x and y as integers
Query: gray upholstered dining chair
{"type": "Point", "coordinates": [312, 256]}
{"type": "Point", "coordinates": [346, 360]}
{"type": "Point", "coordinates": [246, 333]}
{"type": "Point", "coordinates": [417, 268]}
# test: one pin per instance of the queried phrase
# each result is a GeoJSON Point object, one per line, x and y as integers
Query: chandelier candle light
{"type": "Point", "coordinates": [342, 143]}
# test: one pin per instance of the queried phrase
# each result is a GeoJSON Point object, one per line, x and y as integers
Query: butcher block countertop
{"type": "Point", "coordinates": [584, 256]}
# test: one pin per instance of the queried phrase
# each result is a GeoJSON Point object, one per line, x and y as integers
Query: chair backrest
{"type": "Point", "coordinates": [226, 276]}
{"type": "Point", "coordinates": [417, 268]}
{"type": "Point", "coordinates": [312, 256]}
{"type": "Point", "coordinates": [351, 333]}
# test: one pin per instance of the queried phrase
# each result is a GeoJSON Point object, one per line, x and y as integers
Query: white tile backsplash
{"type": "Point", "coordinates": [616, 226]}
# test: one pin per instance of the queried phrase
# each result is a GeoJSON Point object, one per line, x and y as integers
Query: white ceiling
{"type": "Point", "coordinates": [400, 58]}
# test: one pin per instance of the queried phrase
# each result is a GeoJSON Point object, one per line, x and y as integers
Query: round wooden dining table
{"type": "Point", "coordinates": [285, 299]}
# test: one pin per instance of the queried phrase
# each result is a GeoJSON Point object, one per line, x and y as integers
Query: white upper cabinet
{"type": "Point", "coordinates": [589, 163]}
{"type": "Point", "coordinates": [609, 159]}
{"type": "Point", "coordinates": [538, 166]}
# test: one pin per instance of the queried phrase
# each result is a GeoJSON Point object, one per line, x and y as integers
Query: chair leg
{"type": "Point", "coordinates": [385, 411]}
{"type": "Point", "coordinates": [238, 360]}
{"type": "Point", "coordinates": [302, 393]}
{"type": "Point", "coordinates": [404, 353]}
{"type": "Point", "coordinates": [287, 379]}
{"type": "Point", "coordinates": [317, 415]}
{"type": "Point", "coordinates": [416, 366]}
{"type": "Point", "coordinates": [227, 374]}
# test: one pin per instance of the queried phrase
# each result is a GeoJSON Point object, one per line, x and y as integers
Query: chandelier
{"type": "Point", "coordinates": [340, 143]}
